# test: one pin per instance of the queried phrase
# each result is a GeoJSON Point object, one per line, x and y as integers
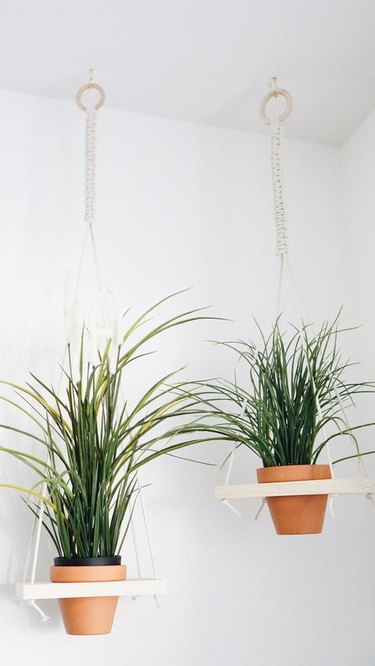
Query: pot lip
{"type": "Point", "coordinates": [297, 466]}
{"type": "Point", "coordinates": [280, 473]}
{"type": "Point", "coordinates": [113, 560]}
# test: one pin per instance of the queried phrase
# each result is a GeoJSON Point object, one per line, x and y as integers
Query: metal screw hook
{"type": "Point", "coordinates": [274, 87]}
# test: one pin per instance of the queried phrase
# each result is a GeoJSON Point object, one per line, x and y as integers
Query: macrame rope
{"type": "Point", "coordinates": [90, 166]}
{"type": "Point", "coordinates": [278, 193]}
{"type": "Point", "coordinates": [282, 245]}
{"type": "Point", "coordinates": [281, 251]}
{"type": "Point", "coordinates": [90, 186]}
{"type": "Point", "coordinates": [89, 216]}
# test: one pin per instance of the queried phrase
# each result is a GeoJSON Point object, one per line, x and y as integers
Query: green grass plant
{"type": "Point", "coordinates": [291, 405]}
{"type": "Point", "coordinates": [94, 441]}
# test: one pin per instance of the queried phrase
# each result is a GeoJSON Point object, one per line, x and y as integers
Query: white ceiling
{"type": "Point", "coordinates": [203, 61]}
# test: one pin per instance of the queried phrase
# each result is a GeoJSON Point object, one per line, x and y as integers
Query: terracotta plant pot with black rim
{"type": "Point", "coordinates": [296, 514]}
{"type": "Point", "coordinates": [84, 616]}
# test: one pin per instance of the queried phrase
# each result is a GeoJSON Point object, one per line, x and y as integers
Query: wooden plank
{"type": "Point", "coordinates": [280, 489]}
{"type": "Point", "coordinates": [129, 588]}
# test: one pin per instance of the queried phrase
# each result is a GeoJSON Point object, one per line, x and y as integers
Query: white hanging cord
{"type": "Point", "coordinates": [36, 531]}
{"type": "Point", "coordinates": [303, 342]}
{"type": "Point", "coordinates": [148, 536]}
{"type": "Point", "coordinates": [146, 525]}
{"type": "Point", "coordinates": [136, 552]}
{"type": "Point", "coordinates": [37, 522]}
{"type": "Point", "coordinates": [231, 460]}
{"type": "Point", "coordinates": [262, 505]}
{"type": "Point", "coordinates": [232, 508]}
{"type": "Point", "coordinates": [35, 534]}
{"type": "Point", "coordinates": [43, 617]}
{"type": "Point", "coordinates": [139, 493]}
{"type": "Point", "coordinates": [37, 544]}
{"type": "Point", "coordinates": [149, 544]}
{"type": "Point", "coordinates": [324, 432]}
{"type": "Point", "coordinates": [29, 548]}
{"type": "Point", "coordinates": [317, 401]}
{"type": "Point", "coordinates": [279, 287]}
{"type": "Point", "coordinates": [230, 464]}
{"type": "Point", "coordinates": [343, 410]}
{"type": "Point", "coordinates": [361, 463]}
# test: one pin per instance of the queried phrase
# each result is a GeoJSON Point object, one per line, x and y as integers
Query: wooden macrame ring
{"type": "Point", "coordinates": [276, 92]}
{"type": "Point", "coordinates": [89, 86]}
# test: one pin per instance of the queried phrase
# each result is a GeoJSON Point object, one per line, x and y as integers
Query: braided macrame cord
{"type": "Point", "coordinates": [281, 233]}
{"type": "Point", "coordinates": [108, 328]}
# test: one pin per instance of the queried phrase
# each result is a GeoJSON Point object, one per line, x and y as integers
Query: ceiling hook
{"type": "Point", "coordinates": [90, 86]}
{"type": "Point", "coordinates": [274, 87]}
{"type": "Point", "coordinates": [275, 91]}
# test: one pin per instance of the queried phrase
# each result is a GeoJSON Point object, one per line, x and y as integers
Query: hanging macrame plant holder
{"type": "Point", "coordinates": [295, 494]}
{"type": "Point", "coordinates": [88, 593]}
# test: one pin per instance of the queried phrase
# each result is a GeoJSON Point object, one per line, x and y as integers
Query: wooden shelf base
{"type": "Point", "coordinates": [124, 588]}
{"type": "Point", "coordinates": [285, 488]}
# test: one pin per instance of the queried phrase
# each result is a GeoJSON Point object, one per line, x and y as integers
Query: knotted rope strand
{"type": "Point", "coordinates": [89, 217]}
{"type": "Point", "coordinates": [90, 166]}
{"type": "Point", "coordinates": [281, 245]}
{"type": "Point", "coordinates": [278, 191]}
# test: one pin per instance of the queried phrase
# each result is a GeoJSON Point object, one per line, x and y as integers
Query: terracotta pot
{"type": "Point", "coordinates": [85, 616]}
{"type": "Point", "coordinates": [296, 514]}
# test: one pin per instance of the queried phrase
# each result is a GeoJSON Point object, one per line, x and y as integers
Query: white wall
{"type": "Point", "coordinates": [359, 206]}
{"type": "Point", "coordinates": [358, 164]}
{"type": "Point", "coordinates": [180, 205]}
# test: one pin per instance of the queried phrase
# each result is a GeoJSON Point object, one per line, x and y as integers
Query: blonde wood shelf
{"type": "Point", "coordinates": [284, 488]}
{"type": "Point", "coordinates": [124, 588]}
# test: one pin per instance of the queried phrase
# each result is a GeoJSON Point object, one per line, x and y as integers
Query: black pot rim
{"type": "Point", "coordinates": [87, 561]}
